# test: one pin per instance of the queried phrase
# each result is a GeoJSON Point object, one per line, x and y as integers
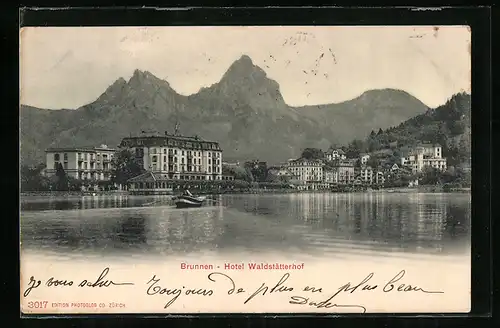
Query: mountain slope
{"type": "Point", "coordinates": [448, 125]}
{"type": "Point", "coordinates": [244, 111]}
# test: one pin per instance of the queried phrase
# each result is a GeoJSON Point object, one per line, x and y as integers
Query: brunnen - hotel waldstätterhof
{"type": "Point", "coordinates": [167, 157]}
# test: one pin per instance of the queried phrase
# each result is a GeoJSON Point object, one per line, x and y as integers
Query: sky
{"type": "Point", "coordinates": [68, 67]}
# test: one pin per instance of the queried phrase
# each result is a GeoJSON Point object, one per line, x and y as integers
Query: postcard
{"type": "Point", "coordinates": [245, 169]}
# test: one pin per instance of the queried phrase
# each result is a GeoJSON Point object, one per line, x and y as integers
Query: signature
{"type": "Point", "coordinates": [281, 287]}
{"type": "Point", "coordinates": [53, 282]}
{"type": "Point", "coordinates": [393, 285]}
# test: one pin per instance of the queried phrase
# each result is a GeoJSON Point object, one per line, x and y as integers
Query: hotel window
{"type": "Point", "coordinates": [175, 152]}
{"type": "Point", "coordinates": [183, 153]}
{"type": "Point", "coordinates": [153, 150]}
{"type": "Point", "coordinates": [164, 150]}
{"type": "Point", "coordinates": [199, 161]}
{"type": "Point", "coordinates": [85, 156]}
{"type": "Point", "coordinates": [182, 160]}
{"type": "Point", "coordinates": [155, 159]}
{"type": "Point", "coordinates": [209, 154]}
{"type": "Point", "coordinates": [56, 157]}
{"type": "Point", "coordinates": [164, 158]}
{"type": "Point", "coordinates": [175, 159]}
{"type": "Point", "coordinates": [65, 156]}
{"type": "Point", "coordinates": [209, 162]}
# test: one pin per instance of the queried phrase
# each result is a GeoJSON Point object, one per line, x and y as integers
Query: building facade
{"type": "Point", "coordinates": [346, 171]}
{"type": "Point", "coordinates": [380, 178]}
{"type": "Point", "coordinates": [308, 171]}
{"type": "Point", "coordinates": [331, 175]}
{"type": "Point", "coordinates": [84, 163]}
{"type": "Point", "coordinates": [425, 156]}
{"type": "Point", "coordinates": [335, 154]}
{"type": "Point", "coordinates": [364, 158]}
{"type": "Point", "coordinates": [177, 157]}
{"type": "Point", "coordinates": [366, 175]}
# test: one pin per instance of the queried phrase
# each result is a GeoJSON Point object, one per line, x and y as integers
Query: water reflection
{"type": "Point", "coordinates": [42, 203]}
{"type": "Point", "coordinates": [324, 223]}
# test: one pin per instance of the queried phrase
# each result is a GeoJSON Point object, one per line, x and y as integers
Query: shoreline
{"type": "Point", "coordinates": [423, 189]}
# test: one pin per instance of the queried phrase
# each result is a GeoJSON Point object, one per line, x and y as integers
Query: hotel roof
{"type": "Point", "coordinates": [167, 140]}
{"type": "Point", "coordinates": [76, 149]}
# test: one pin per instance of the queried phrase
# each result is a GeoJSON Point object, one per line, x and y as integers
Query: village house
{"type": "Point", "coordinates": [366, 174]}
{"type": "Point", "coordinates": [88, 164]}
{"type": "Point", "coordinates": [364, 158]}
{"type": "Point", "coordinates": [308, 171]}
{"type": "Point", "coordinates": [379, 178]}
{"type": "Point", "coordinates": [335, 154]}
{"type": "Point", "coordinates": [345, 171]}
{"type": "Point", "coordinates": [84, 163]}
{"type": "Point", "coordinates": [330, 175]}
{"type": "Point", "coordinates": [425, 155]}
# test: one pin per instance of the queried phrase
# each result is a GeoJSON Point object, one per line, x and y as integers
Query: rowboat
{"type": "Point", "coordinates": [187, 200]}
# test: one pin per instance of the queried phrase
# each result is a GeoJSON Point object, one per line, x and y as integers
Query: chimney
{"type": "Point", "coordinates": [166, 133]}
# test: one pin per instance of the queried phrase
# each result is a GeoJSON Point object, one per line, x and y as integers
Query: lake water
{"type": "Point", "coordinates": [323, 224]}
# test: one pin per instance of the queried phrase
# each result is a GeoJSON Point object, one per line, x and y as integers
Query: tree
{"type": "Point", "coordinates": [373, 162]}
{"type": "Point", "coordinates": [431, 176]}
{"type": "Point", "coordinates": [355, 148]}
{"type": "Point", "coordinates": [313, 153]}
{"type": "Point", "coordinates": [380, 131]}
{"type": "Point", "coordinates": [238, 172]}
{"type": "Point", "coordinates": [32, 178]}
{"type": "Point", "coordinates": [124, 167]}
{"type": "Point", "coordinates": [62, 182]}
{"type": "Point", "coordinates": [258, 170]}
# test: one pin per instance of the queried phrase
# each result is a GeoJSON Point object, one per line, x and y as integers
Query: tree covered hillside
{"type": "Point", "coordinates": [448, 125]}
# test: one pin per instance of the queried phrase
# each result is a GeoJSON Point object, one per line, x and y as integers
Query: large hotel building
{"type": "Point", "coordinates": [85, 163]}
{"type": "Point", "coordinates": [177, 157]}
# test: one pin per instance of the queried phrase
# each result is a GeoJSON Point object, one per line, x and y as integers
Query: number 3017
{"type": "Point", "coordinates": [37, 304]}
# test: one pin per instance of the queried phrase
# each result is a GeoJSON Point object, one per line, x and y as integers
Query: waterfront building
{"type": "Point", "coordinates": [177, 157]}
{"type": "Point", "coordinates": [425, 155]}
{"type": "Point", "coordinates": [84, 163]}
{"type": "Point", "coordinates": [331, 175]}
{"type": "Point", "coordinates": [308, 171]}
{"type": "Point", "coordinates": [366, 174]}
{"type": "Point", "coordinates": [379, 178]}
{"type": "Point", "coordinates": [346, 170]}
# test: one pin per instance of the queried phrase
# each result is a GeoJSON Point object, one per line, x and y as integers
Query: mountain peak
{"type": "Point", "coordinates": [141, 78]}
{"type": "Point", "coordinates": [139, 75]}
{"type": "Point", "coordinates": [245, 59]}
{"type": "Point", "coordinates": [243, 67]}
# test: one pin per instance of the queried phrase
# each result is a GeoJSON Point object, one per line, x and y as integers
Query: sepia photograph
{"type": "Point", "coordinates": [245, 169]}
